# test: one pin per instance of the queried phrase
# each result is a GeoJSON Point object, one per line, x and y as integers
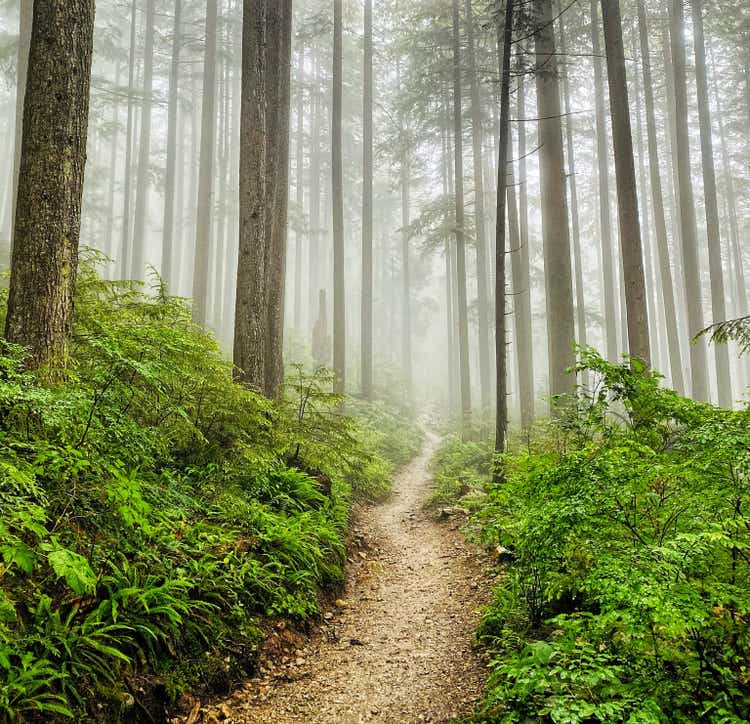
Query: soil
{"type": "Point", "coordinates": [398, 645]}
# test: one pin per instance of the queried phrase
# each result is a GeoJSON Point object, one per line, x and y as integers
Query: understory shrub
{"type": "Point", "coordinates": [152, 510]}
{"type": "Point", "coordinates": [627, 593]}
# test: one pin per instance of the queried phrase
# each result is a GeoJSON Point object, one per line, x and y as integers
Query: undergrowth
{"type": "Point", "coordinates": [627, 593]}
{"type": "Point", "coordinates": [153, 511]}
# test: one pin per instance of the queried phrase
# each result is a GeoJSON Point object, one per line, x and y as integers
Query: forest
{"type": "Point", "coordinates": [374, 361]}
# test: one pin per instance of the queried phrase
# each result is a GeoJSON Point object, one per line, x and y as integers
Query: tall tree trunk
{"type": "Point", "coordinates": [576, 228]}
{"type": "Point", "coordinates": [113, 147]}
{"type": "Point", "coordinates": [313, 278]}
{"type": "Point", "coordinates": [463, 314]}
{"type": "Point", "coordinates": [698, 363]}
{"type": "Point", "coordinates": [450, 324]}
{"type": "Point", "coordinates": [627, 194]}
{"type": "Point", "coordinates": [406, 357]}
{"type": "Point", "coordinates": [299, 190]}
{"type": "Point", "coordinates": [50, 181]}
{"type": "Point", "coordinates": [557, 266]}
{"type": "Point", "coordinates": [220, 254]}
{"type": "Point", "coordinates": [250, 321]}
{"type": "Point", "coordinates": [367, 210]}
{"type": "Point", "coordinates": [201, 261]}
{"type": "Point", "coordinates": [501, 401]}
{"type": "Point", "coordinates": [337, 191]}
{"type": "Point", "coordinates": [26, 12]}
{"type": "Point", "coordinates": [522, 290]}
{"type": "Point", "coordinates": [167, 250]}
{"type": "Point", "coordinates": [483, 304]}
{"type": "Point", "coordinates": [718, 303]}
{"type": "Point", "coordinates": [138, 266]}
{"type": "Point", "coordinates": [125, 241]}
{"type": "Point", "coordinates": [279, 49]}
{"type": "Point", "coordinates": [605, 220]}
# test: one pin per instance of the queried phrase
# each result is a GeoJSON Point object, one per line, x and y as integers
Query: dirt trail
{"type": "Point", "coordinates": [398, 648]}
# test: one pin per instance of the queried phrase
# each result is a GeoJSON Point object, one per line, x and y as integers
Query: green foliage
{"type": "Point", "coordinates": [626, 597]}
{"type": "Point", "coordinates": [152, 510]}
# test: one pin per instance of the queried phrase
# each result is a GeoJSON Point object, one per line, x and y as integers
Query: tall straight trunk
{"type": "Point", "coordinates": [557, 266]}
{"type": "Point", "coordinates": [26, 12]}
{"type": "Point", "coordinates": [501, 396]}
{"type": "Point", "coordinates": [698, 362]}
{"type": "Point", "coordinates": [367, 209]}
{"type": "Point", "coordinates": [718, 302]}
{"type": "Point", "coordinates": [167, 250]}
{"type": "Point", "coordinates": [50, 181]}
{"type": "Point", "coordinates": [201, 261]}
{"type": "Point", "coordinates": [522, 291]}
{"type": "Point", "coordinates": [483, 304]}
{"type": "Point", "coordinates": [337, 196]}
{"type": "Point", "coordinates": [113, 147]}
{"type": "Point", "coordinates": [138, 267]}
{"type": "Point", "coordinates": [313, 278]}
{"type": "Point", "coordinates": [463, 314]}
{"type": "Point", "coordinates": [450, 325]}
{"type": "Point", "coordinates": [279, 49]}
{"type": "Point", "coordinates": [249, 317]}
{"type": "Point", "coordinates": [299, 189]}
{"type": "Point", "coordinates": [406, 356]}
{"type": "Point", "coordinates": [627, 193]}
{"type": "Point", "coordinates": [605, 219]}
{"type": "Point", "coordinates": [576, 227]}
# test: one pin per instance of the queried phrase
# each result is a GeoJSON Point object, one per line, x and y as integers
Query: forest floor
{"type": "Point", "coordinates": [397, 646]}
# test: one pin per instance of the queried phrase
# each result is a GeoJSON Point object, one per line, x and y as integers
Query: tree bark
{"type": "Point", "coordinates": [367, 213]}
{"type": "Point", "coordinates": [201, 261]}
{"type": "Point", "coordinates": [698, 363]}
{"type": "Point", "coordinates": [109, 233]}
{"type": "Point", "coordinates": [463, 314]}
{"type": "Point", "coordinates": [299, 190]}
{"type": "Point", "coordinates": [167, 251]}
{"type": "Point", "coordinates": [406, 358]}
{"type": "Point", "coordinates": [718, 302]}
{"type": "Point", "coordinates": [138, 267]}
{"type": "Point", "coordinates": [557, 265]}
{"type": "Point", "coordinates": [50, 181]}
{"type": "Point", "coordinates": [337, 195]}
{"type": "Point", "coordinates": [483, 305]}
{"type": "Point", "coordinates": [627, 193]}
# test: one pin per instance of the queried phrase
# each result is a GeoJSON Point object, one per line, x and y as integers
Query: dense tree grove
{"type": "Point", "coordinates": [302, 220]}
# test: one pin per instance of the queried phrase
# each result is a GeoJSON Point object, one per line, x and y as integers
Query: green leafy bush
{"type": "Point", "coordinates": [152, 510]}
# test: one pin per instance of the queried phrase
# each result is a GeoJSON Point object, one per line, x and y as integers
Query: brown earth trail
{"type": "Point", "coordinates": [398, 647]}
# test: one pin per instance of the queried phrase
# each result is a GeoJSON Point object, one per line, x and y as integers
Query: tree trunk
{"type": "Point", "coordinates": [167, 251]}
{"type": "Point", "coordinates": [313, 278]}
{"type": "Point", "coordinates": [483, 304]}
{"type": "Point", "coordinates": [406, 359]}
{"type": "Point", "coordinates": [605, 220]}
{"type": "Point", "coordinates": [109, 233]}
{"type": "Point", "coordinates": [367, 210]}
{"type": "Point", "coordinates": [501, 396]}
{"type": "Point", "coordinates": [698, 364]}
{"type": "Point", "coordinates": [201, 261]}
{"type": "Point", "coordinates": [138, 267]}
{"type": "Point", "coordinates": [299, 190]}
{"type": "Point", "coordinates": [463, 314]}
{"type": "Point", "coordinates": [718, 303]}
{"type": "Point", "coordinates": [337, 195]}
{"type": "Point", "coordinates": [557, 266]}
{"type": "Point", "coordinates": [50, 181]}
{"type": "Point", "coordinates": [627, 193]}
{"type": "Point", "coordinates": [250, 320]}
{"type": "Point", "coordinates": [26, 13]}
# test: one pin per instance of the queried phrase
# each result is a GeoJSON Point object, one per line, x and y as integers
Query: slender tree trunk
{"type": "Point", "coordinates": [627, 194]}
{"type": "Point", "coordinates": [138, 267]}
{"type": "Point", "coordinates": [250, 321]}
{"type": "Point", "coordinates": [463, 315]}
{"type": "Point", "coordinates": [718, 302]}
{"type": "Point", "coordinates": [522, 291]}
{"type": "Point", "coordinates": [406, 357]}
{"type": "Point", "coordinates": [50, 181]}
{"type": "Point", "coordinates": [501, 402]}
{"type": "Point", "coordinates": [299, 189]}
{"type": "Point", "coordinates": [483, 304]}
{"type": "Point", "coordinates": [450, 325]}
{"type": "Point", "coordinates": [367, 210]}
{"type": "Point", "coordinates": [698, 363]}
{"type": "Point", "coordinates": [605, 220]}
{"type": "Point", "coordinates": [26, 13]}
{"type": "Point", "coordinates": [337, 191]}
{"type": "Point", "coordinates": [557, 266]}
{"type": "Point", "coordinates": [167, 251]}
{"type": "Point", "coordinates": [201, 261]}
{"type": "Point", "coordinates": [313, 278]}
{"type": "Point", "coordinates": [113, 147]}
{"type": "Point", "coordinates": [220, 254]}
{"type": "Point", "coordinates": [577, 255]}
